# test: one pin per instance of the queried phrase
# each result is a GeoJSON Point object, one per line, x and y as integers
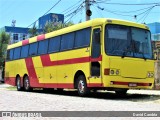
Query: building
{"type": "Point", "coordinates": [19, 33]}
{"type": "Point", "coordinates": [16, 33]}
{"type": "Point", "coordinates": [51, 17]}
{"type": "Point", "coordinates": [155, 30]}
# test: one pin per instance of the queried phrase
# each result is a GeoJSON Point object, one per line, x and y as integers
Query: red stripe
{"type": "Point", "coordinates": [25, 42]}
{"type": "Point", "coordinates": [34, 82]}
{"type": "Point", "coordinates": [144, 84]}
{"type": "Point", "coordinates": [10, 80]}
{"type": "Point", "coordinates": [95, 85]}
{"type": "Point", "coordinates": [127, 83]}
{"type": "Point", "coordinates": [59, 85]}
{"type": "Point", "coordinates": [46, 61]}
{"type": "Point", "coordinates": [96, 59]}
{"type": "Point", "coordinates": [41, 37]}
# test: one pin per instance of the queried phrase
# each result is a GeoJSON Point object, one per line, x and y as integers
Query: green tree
{"type": "Point", "coordinates": [50, 26]}
{"type": "Point", "coordinates": [33, 31]}
{"type": "Point", "coordinates": [4, 40]}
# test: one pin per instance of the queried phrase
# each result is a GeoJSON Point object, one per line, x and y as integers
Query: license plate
{"type": "Point", "coordinates": [132, 85]}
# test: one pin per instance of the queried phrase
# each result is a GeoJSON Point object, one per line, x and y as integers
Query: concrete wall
{"type": "Point", "coordinates": [157, 75]}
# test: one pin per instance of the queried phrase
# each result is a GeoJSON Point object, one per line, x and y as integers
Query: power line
{"type": "Point", "coordinates": [71, 15]}
{"type": "Point", "coordinates": [146, 13]}
{"type": "Point", "coordinates": [45, 13]}
{"type": "Point", "coordinates": [133, 11]}
{"type": "Point", "coordinates": [71, 7]}
{"type": "Point", "coordinates": [130, 4]}
{"type": "Point", "coordinates": [74, 12]}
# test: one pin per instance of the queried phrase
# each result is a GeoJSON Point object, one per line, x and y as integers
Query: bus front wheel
{"type": "Point", "coordinates": [82, 88]}
{"type": "Point", "coordinates": [27, 84]}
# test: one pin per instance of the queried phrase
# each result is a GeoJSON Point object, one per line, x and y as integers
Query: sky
{"type": "Point", "coordinates": [25, 12]}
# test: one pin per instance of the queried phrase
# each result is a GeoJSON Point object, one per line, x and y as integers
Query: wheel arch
{"type": "Point", "coordinates": [77, 74]}
{"type": "Point", "coordinates": [24, 76]}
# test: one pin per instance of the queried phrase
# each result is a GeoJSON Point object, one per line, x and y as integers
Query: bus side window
{"type": "Point", "coordinates": [67, 41]}
{"type": "Point", "coordinates": [24, 51]}
{"type": "Point", "coordinates": [17, 53]}
{"type": "Point", "coordinates": [82, 38]}
{"type": "Point", "coordinates": [54, 44]}
{"type": "Point", "coordinates": [96, 47]}
{"type": "Point", "coordinates": [43, 47]}
{"type": "Point", "coordinates": [11, 54]}
{"type": "Point", "coordinates": [8, 55]}
{"type": "Point", "coordinates": [33, 49]}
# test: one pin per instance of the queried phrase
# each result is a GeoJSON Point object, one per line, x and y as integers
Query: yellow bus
{"type": "Point", "coordinates": [100, 54]}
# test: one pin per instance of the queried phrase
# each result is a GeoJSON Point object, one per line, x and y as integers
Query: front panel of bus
{"type": "Point", "coordinates": [127, 57]}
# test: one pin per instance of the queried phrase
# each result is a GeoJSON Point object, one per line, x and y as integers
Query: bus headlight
{"type": "Point", "coordinates": [150, 74]}
{"type": "Point", "coordinates": [114, 72]}
{"type": "Point", "coordinates": [117, 72]}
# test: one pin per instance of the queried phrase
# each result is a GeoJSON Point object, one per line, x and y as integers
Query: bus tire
{"type": "Point", "coordinates": [82, 88]}
{"type": "Point", "coordinates": [27, 84]}
{"type": "Point", "coordinates": [18, 84]}
{"type": "Point", "coordinates": [60, 90]}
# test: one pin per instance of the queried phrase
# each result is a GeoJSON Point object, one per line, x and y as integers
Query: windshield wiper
{"type": "Point", "coordinates": [143, 55]}
{"type": "Point", "coordinates": [126, 51]}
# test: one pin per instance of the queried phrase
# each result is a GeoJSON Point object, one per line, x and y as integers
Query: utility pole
{"type": "Point", "coordinates": [88, 11]}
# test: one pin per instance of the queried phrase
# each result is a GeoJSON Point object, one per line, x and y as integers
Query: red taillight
{"type": "Point", "coordinates": [106, 71]}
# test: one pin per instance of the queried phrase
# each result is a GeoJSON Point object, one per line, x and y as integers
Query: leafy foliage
{"type": "Point", "coordinates": [33, 31]}
{"type": "Point", "coordinates": [50, 26]}
{"type": "Point", "coordinates": [4, 40]}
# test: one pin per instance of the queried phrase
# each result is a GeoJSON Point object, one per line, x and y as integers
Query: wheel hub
{"type": "Point", "coordinates": [81, 86]}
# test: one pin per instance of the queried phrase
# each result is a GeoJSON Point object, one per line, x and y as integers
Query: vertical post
{"type": "Point", "coordinates": [87, 5]}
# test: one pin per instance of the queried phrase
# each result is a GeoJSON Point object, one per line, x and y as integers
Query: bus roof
{"type": "Point", "coordinates": [90, 23]}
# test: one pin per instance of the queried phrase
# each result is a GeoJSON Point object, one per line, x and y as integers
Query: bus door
{"type": "Point", "coordinates": [96, 58]}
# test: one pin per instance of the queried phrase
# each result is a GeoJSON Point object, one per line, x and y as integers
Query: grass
{"type": "Point", "coordinates": [12, 88]}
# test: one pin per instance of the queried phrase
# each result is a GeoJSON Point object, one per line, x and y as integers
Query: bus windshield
{"type": "Point", "coordinates": [127, 41]}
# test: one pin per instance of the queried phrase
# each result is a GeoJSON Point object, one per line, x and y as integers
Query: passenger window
{"type": "Point", "coordinates": [82, 38]}
{"type": "Point", "coordinates": [43, 47]}
{"type": "Point", "coordinates": [67, 41]}
{"type": "Point", "coordinates": [54, 44]}
{"type": "Point", "coordinates": [33, 49]}
{"type": "Point", "coordinates": [17, 52]}
{"type": "Point", "coordinates": [10, 54]}
{"type": "Point", "coordinates": [96, 46]}
{"type": "Point", "coordinates": [24, 51]}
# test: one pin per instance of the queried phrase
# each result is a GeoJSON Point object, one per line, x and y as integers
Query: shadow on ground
{"type": "Point", "coordinates": [106, 95]}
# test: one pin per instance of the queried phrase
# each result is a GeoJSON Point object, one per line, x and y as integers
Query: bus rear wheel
{"type": "Point", "coordinates": [82, 88]}
{"type": "Point", "coordinates": [27, 84]}
{"type": "Point", "coordinates": [18, 84]}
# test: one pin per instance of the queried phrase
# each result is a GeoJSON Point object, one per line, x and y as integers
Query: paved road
{"type": "Point", "coordinates": [136, 100]}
